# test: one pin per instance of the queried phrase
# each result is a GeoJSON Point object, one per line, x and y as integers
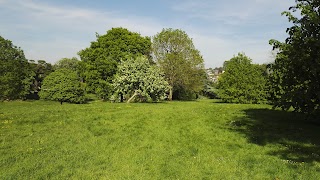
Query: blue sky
{"type": "Point", "coordinates": [54, 29]}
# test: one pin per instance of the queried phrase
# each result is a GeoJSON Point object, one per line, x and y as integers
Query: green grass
{"type": "Point", "coordinates": [174, 140]}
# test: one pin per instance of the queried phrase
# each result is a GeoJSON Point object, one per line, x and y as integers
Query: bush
{"type": "Point", "coordinates": [243, 82]}
{"type": "Point", "coordinates": [63, 85]}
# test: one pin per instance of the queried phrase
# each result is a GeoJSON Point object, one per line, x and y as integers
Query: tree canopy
{"type": "Point", "coordinates": [242, 81]}
{"type": "Point", "coordinates": [138, 78]}
{"type": "Point", "coordinates": [63, 85]}
{"type": "Point", "coordinates": [181, 62]}
{"type": "Point", "coordinates": [99, 61]}
{"type": "Point", "coordinates": [295, 73]}
{"type": "Point", "coordinates": [41, 69]}
{"type": "Point", "coordinates": [15, 72]}
{"type": "Point", "coordinates": [67, 63]}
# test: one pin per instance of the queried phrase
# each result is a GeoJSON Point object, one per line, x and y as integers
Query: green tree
{"type": "Point", "coordinates": [181, 63]}
{"type": "Point", "coordinates": [41, 69]}
{"type": "Point", "coordinates": [295, 74]}
{"type": "Point", "coordinates": [210, 90]}
{"type": "Point", "coordinates": [99, 61]}
{"type": "Point", "coordinates": [15, 72]}
{"type": "Point", "coordinates": [242, 81]}
{"type": "Point", "coordinates": [138, 78]}
{"type": "Point", "coordinates": [63, 85]}
{"type": "Point", "coordinates": [67, 63]}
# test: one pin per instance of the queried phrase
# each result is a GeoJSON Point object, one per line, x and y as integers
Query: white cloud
{"type": "Point", "coordinates": [51, 32]}
{"type": "Point", "coordinates": [68, 29]}
{"type": "Point", "coordinates": [216, 50]}
{"type": "Point", "coordinates": [232, 17]}
{"type": "Point", "coordinates": [235, 26]}
{"type": "Point", "coordinates": [230, 11]}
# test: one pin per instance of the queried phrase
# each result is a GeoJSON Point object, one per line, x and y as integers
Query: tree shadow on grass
{"type": "Point", "coordinates": [296, 139]}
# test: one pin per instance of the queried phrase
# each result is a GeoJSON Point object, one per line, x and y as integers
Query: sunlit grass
{"type": "Point", "coordinates": [173, 140]}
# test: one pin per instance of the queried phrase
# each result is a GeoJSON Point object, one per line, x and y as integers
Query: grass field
{"type": "Point", "coordinates": [173, 140]}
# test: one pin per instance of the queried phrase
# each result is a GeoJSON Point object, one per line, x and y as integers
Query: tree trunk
{"type": "Point", "coordinates": [170, 94]}
{"type": "Point", "coordinates": [121, 97]}
{"type": "Point", "coordinates": [61, 102]}
{"type": "Point", "coordinates": [132, 97]}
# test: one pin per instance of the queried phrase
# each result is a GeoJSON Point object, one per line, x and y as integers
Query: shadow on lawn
{"type": "Point", "coordinates": [297, 139]}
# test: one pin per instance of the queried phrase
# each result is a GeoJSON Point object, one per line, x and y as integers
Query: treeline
{"type": "Point", "coordinates": [125, 66]}
{"type": "Point", "coordinates": [293, 79]}
{"type": "Point", "coordinates": [120, 65]}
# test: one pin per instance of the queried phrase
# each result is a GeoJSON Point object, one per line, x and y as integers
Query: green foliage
{"type": "Point", "coordinates": [170, 140]}
{"type": "Point", "coordinates": [63, 85]}
{"type": "Point", "coordinates": [99, 62]}
{"type": "Point", "coordinates": [41, 69]}
{"type": "Point", "coordinates": [242, 82]}
{"type": "Point", "coordinates": [295, 73]}
{"type": "Point", "coordinates": [138, 76]}
{"type": "Point", "coordinates": [67, 63]}
{"type": "Point", "coordinates": [15, 72]}
{"type": "Point", "coordinates": [181, 63]}
{"type": "Point", "coordinates": [210, 90]}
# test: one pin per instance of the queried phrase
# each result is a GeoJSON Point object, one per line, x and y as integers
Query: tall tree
{"type": "Point", "coordinates": [295, 74]}
{"type": "Point", "coordinates": [181, 62]}
{"type": "Point", "coordinates": [15, 71]}
{"type": "Point", "coordinates": [138, 78]}
{"type": "Point", "coordinates": [99, 61]}
{"type": "Point", "coordinates": [242, 81]}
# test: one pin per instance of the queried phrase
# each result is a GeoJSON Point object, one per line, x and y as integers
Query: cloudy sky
{"type": "Point", "coordinates": [53, 29]}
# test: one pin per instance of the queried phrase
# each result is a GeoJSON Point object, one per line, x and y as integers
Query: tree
{"type": "Point", "coordinates": [15, 72]}
{"type": "Point", "coordinates": [63, 85]}
{"type": "Point", "coordinates": [242, 81]}
{"type": "Point", "coordinates": [210, 89]}
{"type": "Point", "coordinates": [295, 74]}
{"type": "Point", "coordinates": [137, 77]}
{"type": "Point", "coordinates": [41, 69]}
{"type": "Point", "coordinates": [99, 62]}
{"type": "Point", "coordinates": [67, 63]}
{"type": "Point", "coordinates": [181, 63]}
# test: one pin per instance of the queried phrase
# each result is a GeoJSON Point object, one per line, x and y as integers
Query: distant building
{"type": "Point", "coordinates": [213, 74]}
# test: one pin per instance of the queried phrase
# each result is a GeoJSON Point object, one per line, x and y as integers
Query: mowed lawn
{"type": "Point", "coordinates": [172, 140]}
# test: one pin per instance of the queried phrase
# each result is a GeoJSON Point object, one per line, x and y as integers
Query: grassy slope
{"type": "Point", "coordinates": [176, 140]}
